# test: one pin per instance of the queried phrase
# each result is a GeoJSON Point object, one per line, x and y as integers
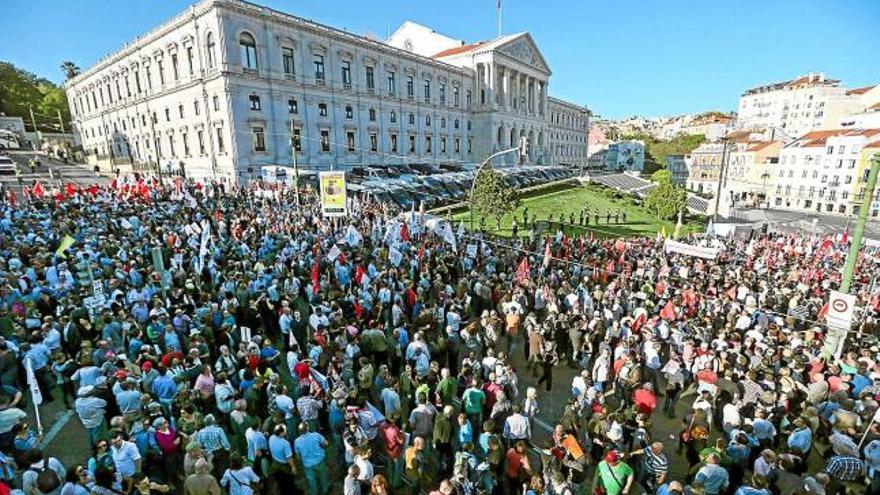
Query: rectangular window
{"type": "Point", "coordinates": [189, 59]}
{"type": "Point", "coordinates": [412, 119]}
{"type": "Point", "coordinates": [259, 139]}
{"type": "Point", "coordinates": [349, 112]}
{"type": "Point", "coordinates": [470, 145]}
{"type": "Point", "coordinates": [455, 96]}
{"type": "Point", "coordinates": [443, 145]}
{"type": "Point", "coordinates": [196, 107]}
{"type": "Point", "coordinates": [297, 142]}
{"type": "Point", "coordinates": [174, 70]}
{"type": "Point", "coordinates": [374, 142]}
{"type": "Point", "coordinates": [457, 145]}
{"type": "Point", "coordinates": [137, 81]}
{"type": "Point", "coordinates": [171, 145]}
{"type": "Point", "coordinates": [161, 72]}
{"type": "Point", "coordinates": [248, 55]}
{"type": "Point", "coordinates": [372, 115]}
{"type": "Point", "coordinates": [292, 106]}
{"type": "Point", "coordinates": [412, 143]}
{"type": "Point", "coordinates": [467, 98]}
{"type": "Point", "coordinates": [325, 141]}
{"type": "Point", "coordinates": [371, 82]}
{"type": "Point", "coordinates": [394, 143]}
{"type": "Point", "coordinates": [442, 91]}
{"type": "Point", "coordinates": [183, 137]}
{"type": "Point", "coordinates": [393, 117]}
{"type": "Point", "coordinates": [200, 135]}
{"type": "Point", "coordinates": [167, 115]}
{"type": "Point", "coordinates": [255, 102]}
{"type": "Point", "coordinates": [180, 110]}
{"type": "Point", "coordinates": [392, 83]}
{"type": "Point", "coordinates": [349, 141]}
{"type": "Point", "coordinates": [410, 87]}
{"type": "Point", "coordinates": [220, 147]}
{"type": "Point", "coordinates": [322, 109]}
{"type": "Point", "coordinates": [319, 68]}
{"type": "Point", "coordinates": [427, 144]}
{"type": "Point", "coordinates": [346, 73]}
{"type": "Point", "coordinates": [287, 60]}
{"type": "Point", "coordinates": [427, 91]}
{"type": "Point", "coordinates": [216, 103]}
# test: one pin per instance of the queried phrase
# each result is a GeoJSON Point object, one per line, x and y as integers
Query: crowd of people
{"type": "Point", "coordinates": [215, 339]}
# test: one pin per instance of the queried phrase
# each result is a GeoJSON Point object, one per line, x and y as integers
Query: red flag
{"type": "Point", "coordinates": [822, 312]}
{"type": "Point", "coordinates": [38, 189]}
{"type": "Point", "coordinates": [668, 311]}
{"type": "Point", "coordinates": [522, 271]}
{"type": "Point", "coordinates": [114, 185]}
{"type": "Point", "coordinates": [358, 310]}
{"type": "Point", "coordinates": [660, 288]}
{"type": "Point", "coordinates": [359, 274]}
{"type": "Point", "coordinates": [70, 190]}
{"type": "Point", "coordinates": [547, 255]}
{"type": "Point", "coordinates": [639, 321]}
{"type": "Point", "coordinates": [13, 201]}
{"type": "Point", "coordinates": [341, 258]}
{"type": "Point", "coordinates": [845, 237]}
{"type": "Point", "coordinates": [316, 277]}
{"type": "Point", "coordinates": [421, 253]}
{"type": "Point", "coordinates": [93, 189]}
{"type": "Point", "coordinates": [404, 233]}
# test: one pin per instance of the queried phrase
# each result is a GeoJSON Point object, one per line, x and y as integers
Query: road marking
{"type": "Point", "coordinates": [56, 428]}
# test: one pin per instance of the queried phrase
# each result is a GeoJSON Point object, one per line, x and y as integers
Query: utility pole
{"type": "Point", "coordinates": [293, 143]}
{"type": "Point", "coordinates": [856, 245]}
{"type": "Point", "coordinates": [60, 121]}
{"type": "Point", "coordinates": [724, 155]}
{"type": "Point", "coordinates": [498, 15]}
{"type": "Point", "coordinates": [836, 338]}
{"type": "Point", "coordinates": [34, 123]}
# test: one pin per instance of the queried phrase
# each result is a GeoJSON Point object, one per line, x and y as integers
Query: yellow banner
{"type": "Point", "coordinates": [333, 194]}
{"type": "Point", "coordinates": [65, 244]}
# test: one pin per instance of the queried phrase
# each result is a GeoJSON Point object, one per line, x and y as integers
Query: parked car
{"type": "Point", "coordinates": [7, 166]}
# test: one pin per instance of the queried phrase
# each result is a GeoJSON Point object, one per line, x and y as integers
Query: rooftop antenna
{"type": "Point", "coordinates": [498, 15]}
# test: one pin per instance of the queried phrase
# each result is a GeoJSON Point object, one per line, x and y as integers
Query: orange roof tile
{"type": "Point", "coordinates": [875, 144]}
{"type": "Point", "coordinates": [761, 145]}
{"type": "Point", "coordinates": [860, 91]}
{"type": "Point", "coordinates": [458, 49]}
{"type": "Point", "coordinates": [875, 106]}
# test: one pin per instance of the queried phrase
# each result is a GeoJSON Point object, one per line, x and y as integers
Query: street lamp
{"type": "Point", "coordinates": [523, 142]}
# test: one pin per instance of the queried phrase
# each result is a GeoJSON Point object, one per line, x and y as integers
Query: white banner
{"type": "Point", "coordinates": [36, 394]}
{"type": "Point", "coordinates": [334, 253]}
{"type": "Point", "coordinates": [840, 310]}
{"type": "Point", "coordinates": [395, 256]}
{"type": "Point", "coordinates": [352, 236]}
{"type": "Point", "coordinates": [690, 250]}
{"type": "Point", "coordinates": [471, 250]}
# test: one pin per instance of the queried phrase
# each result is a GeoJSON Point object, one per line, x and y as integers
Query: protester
{"type": "Point", "coordinates": [280, 350]}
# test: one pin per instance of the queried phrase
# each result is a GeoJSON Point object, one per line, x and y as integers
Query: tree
{"type": "Point", "coordinates": [662, 176]}
{"type": "Point", "coordinates": [665, 200]}
{"type": "Point", "coordinates": [70, 69]}
{"type": "Point", "coordinates": [21, 90]}
{"type": "Point", "coordinates": [656, 150]}
{"type": "Point", "coordinates": [492, 196]}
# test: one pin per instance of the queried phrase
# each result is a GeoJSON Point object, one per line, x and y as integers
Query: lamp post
{"type": "Point", "coordinates": [521, 149]}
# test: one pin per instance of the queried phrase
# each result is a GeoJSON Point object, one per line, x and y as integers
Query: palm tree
{"type": "Point", "coordinates": [70, 69]}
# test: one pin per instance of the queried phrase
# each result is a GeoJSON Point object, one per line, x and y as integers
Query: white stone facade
{"type": "Point", "coordinates": [568, 140]}
{"type": "Point", "coordinates": [228, 87]}
{"type": "Point", "coordinates": [808, 103]}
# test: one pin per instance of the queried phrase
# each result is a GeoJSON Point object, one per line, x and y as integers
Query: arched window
{"type": "Point", "coordinates": [248, 51]}
{"type": "Point", "coordinates": [210, 45]}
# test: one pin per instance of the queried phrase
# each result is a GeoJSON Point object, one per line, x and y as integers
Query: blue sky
{"type": "Point", "coordinates": [619, 57]}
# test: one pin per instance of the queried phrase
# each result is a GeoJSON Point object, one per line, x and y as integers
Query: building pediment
{"type": "Point", "coordinates": [523, 49]}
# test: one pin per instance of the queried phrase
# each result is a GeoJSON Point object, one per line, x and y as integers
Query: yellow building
{"type": "Point", "coordinates": [858, 188]}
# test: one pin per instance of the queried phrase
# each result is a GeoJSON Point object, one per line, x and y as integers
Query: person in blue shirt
{"type": "Point", "coordinates": [309, 448]}
{"type": "Point", "coordinates": [465, 430]}
{"type": "Point", "coordinates": [282, 466]}
{"type": "Point", "coordinates": [800, 439]}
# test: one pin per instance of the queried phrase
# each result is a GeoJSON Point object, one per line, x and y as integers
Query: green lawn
{"type": "Point", "coordinates": [567, 201]}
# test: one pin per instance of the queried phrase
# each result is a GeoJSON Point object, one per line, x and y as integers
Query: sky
{"type": "Point", "coordinates": [619, 57]}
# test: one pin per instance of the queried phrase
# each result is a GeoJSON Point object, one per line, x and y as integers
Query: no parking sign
{"type": "Point", "coordinates": [840, 310]}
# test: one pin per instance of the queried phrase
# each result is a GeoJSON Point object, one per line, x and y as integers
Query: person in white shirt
{"type": "Point", "coordinates": [239, 479]}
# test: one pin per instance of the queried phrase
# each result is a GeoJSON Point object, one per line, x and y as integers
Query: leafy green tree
{"type": "Point", "coordinates": [665, 200]}
{"type": "Point", "coordinates": [656, 150]}
{"type": "Point", "coordinates": [493, 196]}
{"type": "Point", "coordinates": [662, 176]}
{"type": "Point", "coordinates": [20, 90]}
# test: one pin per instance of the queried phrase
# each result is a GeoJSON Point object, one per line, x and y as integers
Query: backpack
{"type": "Point", "coordinates": [47, 479]}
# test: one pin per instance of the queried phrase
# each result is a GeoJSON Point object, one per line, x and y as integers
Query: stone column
{"type": "Point", "coordinates": [490, 94]}
{"type": "Point", "coordinates": [506, 88]}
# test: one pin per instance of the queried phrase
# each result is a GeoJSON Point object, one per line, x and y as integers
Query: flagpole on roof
{"type": "Point", "coordinates": [498, 16]}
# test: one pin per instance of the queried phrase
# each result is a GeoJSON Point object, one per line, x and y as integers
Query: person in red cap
{"type": "Point", "coordinates": [613, 475]}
